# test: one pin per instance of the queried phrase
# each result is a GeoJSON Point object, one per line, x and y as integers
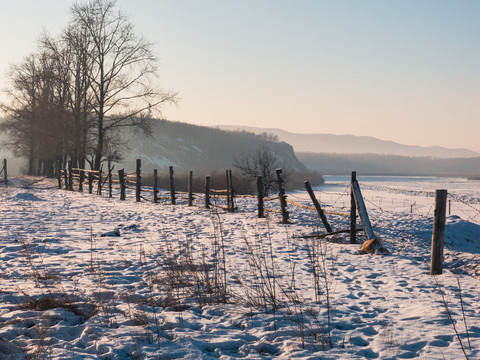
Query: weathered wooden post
{"type": "Point", "coordinates": [207, 192]}
{"type": "Point", "coordinates": [121, 179]}
{"type": "Point", "coordinates": [70, 175]}
{"type": "Point", "coordinates": [282, 196]}
{"type": "Point", "coordinates": [261, 212]}
{"type": "Point", "coordinates": [318, 207]}
{"type": "Point", "coordinates": [232, 191]}
{"type": "Point", "coordinates": [138, 185]}
{"type": "Point", "coordinates": [438, 234]}
{"type": "Point", "coordinates": [155, 186]}
{"type": "Point", "coordinates": [110, 182]}
{"type": "Point", "coordinates": [172, 185]}
{"type": "Point", "coordinates": [190, 189]}
{"type": "Point", "coordinates": [65, 176]}
{"type": "Point", "coordinates": [228, 190]}
{"type": "Point", "coordinates": [5, 177]}
{"type": "Point", "coordinates": [90, 182]}
{"type": "Point", "coordinates": [99, 188]}
{"type": "Point", "coordinates": [353, 211]}
{"type": "Point", "coordinates": [449, 206]}
{"type": "Point", "coordinates": [81, 180]}
{"type": "Point", "coordinates": [59, 174]}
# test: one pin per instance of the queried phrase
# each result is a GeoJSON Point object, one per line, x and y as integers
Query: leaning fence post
{"type": "Point", "coordinates": [438, 234]}
{"type": "Point", "coordinates": [317, 206]}
{"type": "Point", "coordinates": [207, 192]}
{"type": "Point", "coordinates": [190, 189]}
{"type": "Point", "coordinates": [353, 212]}
{"type": "Point", "coordinates": [81, 180]}
{"type": "Point", "coordinates": [138, 186]}
{"type": "Point", "coordinates": [172, 185]}
{"type": "Point", "coordinates": [70, 175]}
{"type": "Point", "coordinates": [155, 186]}
{"type": "Point", "coordinates": [261, 213]}
{"type": "Point", "coordinates": [59, 174]}
{"type": "Point", "coordinates": [282, 196]}
{"type": "Point", "coordinates": [121, 179]}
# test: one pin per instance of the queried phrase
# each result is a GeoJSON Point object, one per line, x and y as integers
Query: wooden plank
{"type": "Point", "coordinates": [318, 207]}
{"type": "Point", "coordinates": [321, 236]}
{"type": "Point", "coordinates": [362, 210]}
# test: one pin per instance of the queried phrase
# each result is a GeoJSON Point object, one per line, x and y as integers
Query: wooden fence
{"type": "Point", "coordinates": [74, 178]}
{"type": "Point", "coordinates": [95, 180]}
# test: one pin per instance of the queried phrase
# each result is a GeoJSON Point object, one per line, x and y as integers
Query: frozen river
{"type": "Point", "coordinates": [405, 194]}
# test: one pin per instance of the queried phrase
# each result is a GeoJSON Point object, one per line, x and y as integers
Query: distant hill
{"type": "Point", "coordinates": [199, 148]}
{"type": "Point", "coordinates": [350, 144]}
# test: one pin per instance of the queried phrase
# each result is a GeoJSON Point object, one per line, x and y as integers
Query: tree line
{"type": "Point", "coordinates": [71, 97]}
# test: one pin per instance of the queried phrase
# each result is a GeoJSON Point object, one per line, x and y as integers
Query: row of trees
{"type": "Point", "coordinates": [71, 97]}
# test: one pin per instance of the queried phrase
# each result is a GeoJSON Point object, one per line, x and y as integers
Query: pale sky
{"type": "Point", "coordinates": [401, 70]}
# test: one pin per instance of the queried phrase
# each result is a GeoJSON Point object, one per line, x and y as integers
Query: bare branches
{"type": "Point", "coordinates": [260, 162]}
{"type": "Point", "coordinates": [97, 77]}
{"type": "Point", "coordinates": [124, 67]}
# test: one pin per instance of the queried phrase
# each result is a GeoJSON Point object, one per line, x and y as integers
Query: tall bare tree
{"type": "Point", "coordinates": [124, 72]}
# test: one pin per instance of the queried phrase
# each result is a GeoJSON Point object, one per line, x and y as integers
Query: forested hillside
{"type": "Point", "coordinates": [199, 148]}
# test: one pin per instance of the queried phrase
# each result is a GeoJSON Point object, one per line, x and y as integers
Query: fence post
{"type": "Point", "coordinates": [317, 206]}
{"type": "Point", "coordinates": [4, 170]}
{"type": "Point", "coordinates": [59, 174]}
{"type": "Point", "coordinates": [70, 176]}
{"type": "Point", "coordinates": [353, 211]}
{"type": "Point", "coordinates": [190, 189]}
{"type": "Point", "coordinates": [65, 175]}
{"type": "Point", "coordinates": [282, 196]}
{"type": "Point", "coordinates": [207, 192]}
{"type": "Point", "coordinates": [121, 179]}
{"type": "Point", "coordinates": [155, 186]}
{"type": "Point", "coordinates": [99, 188]}
{"type": "Point", "coordinates": [261, 213]}
{"type": "Point", "coordinates": [81, 180]}
{"type": "Point", "coordinates": [138, 185]}
{"type": "Point", "coordinates": [438, 234]}
{"type": "Point", "coordinates": [172, 185]}
{"type": "Point", "coordinates": [232, 191]}
{"type": "Point", "coordinates": [110, 185]}
{"type": "Point", "coordinates": [90, 182]}
{"type": "Point", "coordinates": [5, 177]}
{"type": "Point", "coordinates": [228, 189]}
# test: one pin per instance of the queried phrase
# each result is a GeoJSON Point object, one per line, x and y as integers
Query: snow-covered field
{"type": "Point", "coordinates": [172, 282]}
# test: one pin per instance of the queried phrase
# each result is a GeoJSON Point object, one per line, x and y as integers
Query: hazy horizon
{"type": "Point", "coordinates": [404, 71]}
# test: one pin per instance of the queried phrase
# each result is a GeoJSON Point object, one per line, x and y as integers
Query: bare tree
{"type": "Point", "coordinates": [123, 78]}
{"type": "Point", "coordinates": [260, 162]}
{"type": "Point", "coordinates": [33, 112]}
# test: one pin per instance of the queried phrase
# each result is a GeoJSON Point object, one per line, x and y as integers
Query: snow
{"type": "Point", "coordinates": [67, 292]}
